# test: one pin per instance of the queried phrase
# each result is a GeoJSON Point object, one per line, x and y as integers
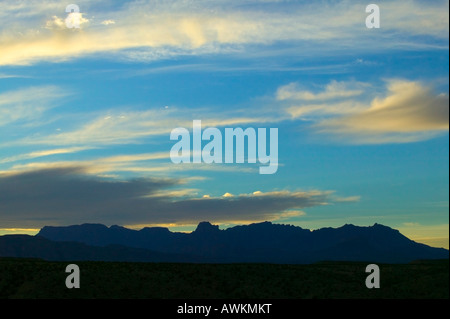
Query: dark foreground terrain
{"type": "Point", "coordinates": [31, 278]}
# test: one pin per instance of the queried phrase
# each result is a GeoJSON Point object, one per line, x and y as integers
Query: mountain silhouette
{"type": "Point", "coordinates": [261, 242]}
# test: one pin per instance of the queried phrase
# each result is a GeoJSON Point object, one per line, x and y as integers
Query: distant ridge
{"type": "Point", "coordinates": [25, 246]}
{"type": "Point", "coordinates": [258, 243]}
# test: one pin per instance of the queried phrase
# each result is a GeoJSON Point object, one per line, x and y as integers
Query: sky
{"type": "Point", "coordinates": [86, 113]}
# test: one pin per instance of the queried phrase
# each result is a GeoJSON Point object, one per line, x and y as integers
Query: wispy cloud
{"type": "Point", "coordinates": [146, 30]}
{"type": "Point", "coordinates": [318, 110]}
{"type": "Point", "coordinates": [409, 112]}
{"type": "Point", "coordinates": [10, 76]}
{"type": "Point", "coordinates": [43, 153]}
{"type": "Point", "coordinates": [148, 164]}
{"type": "Point", "coordinates": [28, 104]}
{"type": "Point", "coordinates": [128, 126]}
{"type": "Point", "coordinates": [332, 91]}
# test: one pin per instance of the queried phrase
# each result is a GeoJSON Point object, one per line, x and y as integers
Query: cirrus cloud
{"type": "Point", "coordinates": [333, 90]}
{"type": "Point", "coordinates": [28, 104]}
{"type": "Point", "coordinates": [33, 31]}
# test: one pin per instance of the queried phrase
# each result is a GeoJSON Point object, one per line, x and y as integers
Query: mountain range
{"type": "Point", "coordinates": [255, 243]}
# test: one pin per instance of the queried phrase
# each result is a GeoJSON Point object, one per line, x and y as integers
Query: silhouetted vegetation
{"type": "Point", "coordinates": [32, 278]}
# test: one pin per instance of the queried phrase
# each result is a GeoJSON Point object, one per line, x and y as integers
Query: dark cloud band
{"type": "Point", "coordinates": [62, 196]}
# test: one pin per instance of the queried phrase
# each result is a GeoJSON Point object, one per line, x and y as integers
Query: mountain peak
{"type": "Point", "coordinates": [156, 230]}
{"type": "Point", "coordinates": [117, 227]}
{"type": "Point", "coordinates": [206, 227]}
{"type": "Point", "coordinates": [380, 225]}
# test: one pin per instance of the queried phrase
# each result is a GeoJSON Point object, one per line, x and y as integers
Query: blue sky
{"type": "Point", "coordinates": [362, 114]}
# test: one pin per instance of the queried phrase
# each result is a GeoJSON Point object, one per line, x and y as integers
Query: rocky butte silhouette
{"type": "Point", "coordinates": [256, 243]}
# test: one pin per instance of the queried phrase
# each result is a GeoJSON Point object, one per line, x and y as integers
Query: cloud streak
{"type": "Point", "coordinates": [28, 104]}
{"type": "Point", "coordinates": [128, 126]}
{"type": "Point", "coordinates": [146, 30]}
{"type": "Point", "coordinates": [332, 91]}
{"type": "Point", "coordinates": [43, 153]}
{"type": "Point", "coordinates": [409, 112]}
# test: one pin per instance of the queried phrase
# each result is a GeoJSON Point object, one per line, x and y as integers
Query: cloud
{"type": "Point", "coordinates": [318, 110]}
{"type": "Point", "coordinates": [332, 91]}
{"type": "Point", "coordinates": [350, 199]}
{"type": "Point", "coordinates": [107, 128]}
{"type": "Point", "coordinates": [127, 126]}
{"type": "Point", "coordinates": [28, 104]}
{"type": "Point", "coordinates": [98, 165]}
{"type": "Point", "coordinates": [336, 98]}
{"type": "Point", "coordinates": [146, 30]}
{"type": "Point", "coordinates": [108, 22]}
{"type": "Point", "coordinates": [409, 112]}
{"type": "Point", "coordinates": [227, 195]}
{"type": "Point", "coordinates": [73, 19]}
{"type": "Point", "coordinates": [55, 23]}
{"type": "Point", "coordinates": [114, 128]}
{"type": "Point", "coordinates": [103, 167]}
{"type": "Point", "coordinates": [10, 76]}
{"type": "Point", "coordinates": [411, 224]}
{"type": "Point", "coordinates": [43, 153]}
{"type": "Point", "coordinates": [62, 196]}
